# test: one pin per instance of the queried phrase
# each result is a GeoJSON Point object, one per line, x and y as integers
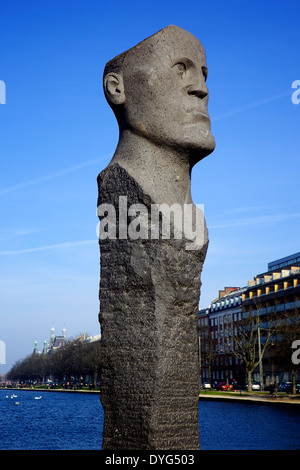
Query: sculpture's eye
{"type": "Point", "coordinates": [180, 67]}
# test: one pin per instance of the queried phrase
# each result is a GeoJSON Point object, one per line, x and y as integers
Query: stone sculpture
{"type": "Point", "coordinates": [150, 272]}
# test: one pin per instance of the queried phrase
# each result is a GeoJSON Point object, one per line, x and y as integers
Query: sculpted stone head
{"type": "Point", "coordinates": [158, 91]}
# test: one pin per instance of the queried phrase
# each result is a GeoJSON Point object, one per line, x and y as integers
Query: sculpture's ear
{"type": "Point", "coordinates": [114, 88]}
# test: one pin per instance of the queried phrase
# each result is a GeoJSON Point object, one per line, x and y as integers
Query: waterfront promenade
{"type": "Point", "coordinates": [246, 397]}
{"type": "Point", "coordinates": [239, 395]}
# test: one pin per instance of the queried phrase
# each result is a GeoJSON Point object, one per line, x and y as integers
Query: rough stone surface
{"type": "Point", "coordinates": [150, 287]}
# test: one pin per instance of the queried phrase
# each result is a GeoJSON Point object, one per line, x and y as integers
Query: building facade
{"type": "Point", "coordinates": [59, 341]}
{"type": "Point", "coordinates": [274, 296]}
{"type": "Point", "coordinates": [55, 342]}
{"type": "Point", "coordinates": [273, 300]}
{"type": "Point", "coordinates": [215, 327]}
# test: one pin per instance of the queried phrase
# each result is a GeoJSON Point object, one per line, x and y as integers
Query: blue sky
{"type": "Point", "coordinates": [57, 133]}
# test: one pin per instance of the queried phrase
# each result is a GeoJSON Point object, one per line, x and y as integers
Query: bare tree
{"type": "Point", "coordinates": [207, 351]}
{"type": "Point", "coordinates": [249, 339]}
{"type": "Point", "coordinates": [288, 331]}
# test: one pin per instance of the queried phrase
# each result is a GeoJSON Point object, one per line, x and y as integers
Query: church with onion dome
{"type": "Point", "coordinates": [55, 342]}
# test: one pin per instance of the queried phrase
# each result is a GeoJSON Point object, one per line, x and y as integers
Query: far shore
{"type": "Point", "coordinates": [238, 396]}
{"type": "Point", "coordinates": [42, 389]}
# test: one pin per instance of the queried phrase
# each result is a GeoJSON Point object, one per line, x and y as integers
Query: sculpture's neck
{"type": "Point", "coordinates": [163, 173]}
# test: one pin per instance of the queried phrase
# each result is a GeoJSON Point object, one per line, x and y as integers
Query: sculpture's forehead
{"type": "Point", "coordinates": [169, 44]}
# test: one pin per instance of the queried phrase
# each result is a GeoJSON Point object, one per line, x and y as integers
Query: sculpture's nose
{"type": "Point", "coordinates": [200, 90]}
{"type": "Point", "coordinates": [198, 85]}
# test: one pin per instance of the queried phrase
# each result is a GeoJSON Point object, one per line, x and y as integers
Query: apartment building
{"type": "Point", "coordinates": [216, 325]}
{"type": "Point", "coordinates": [274, 296]}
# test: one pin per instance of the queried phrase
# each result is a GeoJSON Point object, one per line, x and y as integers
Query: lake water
{"type": "Point", "coordinates": [74, 421]}
{"type": "Point", "coordinates": [57, 421]}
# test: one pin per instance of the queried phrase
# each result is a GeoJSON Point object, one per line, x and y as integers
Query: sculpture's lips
{"type": "Point", "coordinates": [197, 115]}
{"type": "Point", "coordinates": [202, 114]}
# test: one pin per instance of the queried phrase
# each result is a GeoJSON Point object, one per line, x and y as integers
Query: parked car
{"type": "Point", "coordinates": [287, 387]}
{"type": "Point", "coordinates": [255, 386]}
{"type": "Point", "coordinates": [224, 386]}
{"type": "Point", "coordinates": [206, 385]}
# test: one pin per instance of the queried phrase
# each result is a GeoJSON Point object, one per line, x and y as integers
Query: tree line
{"type": "Point", "coordinates": [68, 363]}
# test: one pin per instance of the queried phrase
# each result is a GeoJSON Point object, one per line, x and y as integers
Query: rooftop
{"type": "Point", "coordinates": [291, 260]}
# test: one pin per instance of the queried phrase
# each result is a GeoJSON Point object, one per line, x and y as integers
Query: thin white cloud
{"type": "Point", "coordinates": [250, 106]}
{"type": "Point", "coordinates": [12, 233]}
{"type": "Point", "coordinates": [239, 210]}
{"type": "Point", "coordinates": [48, 247]}
{"type": "Point", "coordinates": [262, 219]}
{"type": "Point", "coordinates": [50, 176]}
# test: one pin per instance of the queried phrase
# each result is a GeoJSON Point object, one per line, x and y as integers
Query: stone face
{"type": "Point", "coordinates": [150, 279]}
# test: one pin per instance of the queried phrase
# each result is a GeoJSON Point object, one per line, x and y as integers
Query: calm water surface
{"type": "Point", "coordinates": [67, 421]}
{"type": "Point", "coordinates": [57, 421]}
{"type": "Point", "coordinates": [248, 426]}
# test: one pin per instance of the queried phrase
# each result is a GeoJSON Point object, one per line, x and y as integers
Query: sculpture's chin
{"type": "Point", "coordinates": [201, 150]}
